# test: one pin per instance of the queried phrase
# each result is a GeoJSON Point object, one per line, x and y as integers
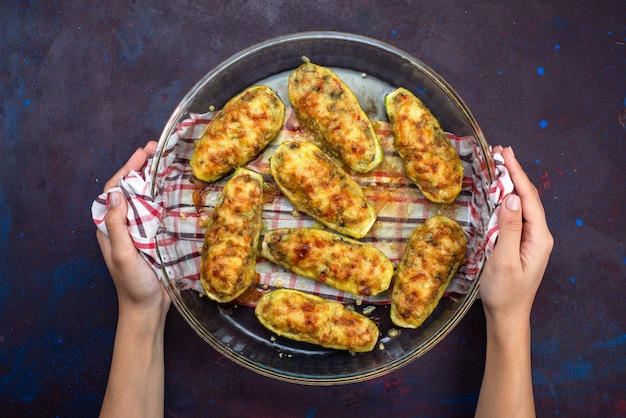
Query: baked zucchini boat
{"type": "Point", "coordinates": [432, 256]}
{"type": "Point", "coordinates": [308, 318]}
{"type": "Point", "coordinates": [429, 159]}
{"type": "Point", "coordinates": [327, 107]}
{"type": "Point", "coordinates": [241, 130]}
{"type": "Point", "coordinates": [317, 186]}
{"type": "Point", "coordinates": [227, 265]}
{"type": "Point", "coordinates": [338, 261]}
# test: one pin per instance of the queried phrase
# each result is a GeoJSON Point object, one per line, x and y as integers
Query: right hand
{"type": "Point", "coordinates": [514, 271]}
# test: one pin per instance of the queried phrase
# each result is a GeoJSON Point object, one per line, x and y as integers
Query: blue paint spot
{"type": "Point", "coordinates": [557, 47]}
{"type": "Point", "coordinates": [543, 124]}
{"type": "Point", "coordinates": [499, 72]}
{"type": "Point", "coordinates": [540, 70]}
{"type": "Point", "coordinates": [394, 32]}
{"type": "Point", "coordinates": [537, 161]}
{"type": "Point", "coordinates": [579, 222]}
{"type": "Point", "coordinates": [26, 102]}
{"type": "Point", "coordinates": [21, 235]}
{"type": "Point", "coordinates": [624, 260]}
{"type": "Point", "coordinates": [60, 340]}
{"type": "Point", "coordinates": [614, 343]}
{"type": "Point", "coordinates": [573, 280]}
{"type": "Point", "coordinates": [311, 412]}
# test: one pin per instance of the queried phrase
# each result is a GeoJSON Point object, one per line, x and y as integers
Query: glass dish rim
{"type": "Point", "coordinates": [174, 293]}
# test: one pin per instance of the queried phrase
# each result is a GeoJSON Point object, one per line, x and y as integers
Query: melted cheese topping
{"type": "Point", "coordinates": [434, 252]}
{"type": "Point", "coordinates": [308, 318]}
{"type": "Point", "coordinates": [227, 267]}
{"type": "Point", "coordinates": [327, 106]}
{"type": "Point", "coordinates": [317, 186]}
{"type": "Point", "coordinates": [245, 126]}
{"type": "Point", "coordinates": [430, 161]}
{"type": "Point", "coordinates": [339, 262]}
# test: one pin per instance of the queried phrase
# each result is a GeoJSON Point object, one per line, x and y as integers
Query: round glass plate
{"type": "Point", "coordinates": [371, 68]}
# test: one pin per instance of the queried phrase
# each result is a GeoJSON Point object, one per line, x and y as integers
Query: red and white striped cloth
{"type": "Point", "coordinates": [166, 226]}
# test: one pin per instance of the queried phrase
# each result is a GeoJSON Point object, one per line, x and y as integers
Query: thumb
{"type": "Point", "coordinates": [117, 225]}
{"type": "Point", "coordinates": [510, 223]}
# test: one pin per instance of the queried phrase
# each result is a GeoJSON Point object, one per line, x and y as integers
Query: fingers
{"type": "Point", "coordinates": [536, 232]}
{"type": "Point", "coordinates": [150, 147]}
{"type": "Point", "coordinates": [497, 148]}
{"type": "Point", "coordinates": [121, 243]}
{"type": "Point", "coordinates": [134, 163]}
{"type": "Point", "coordinates": [511, 226]}
{"type": "Point", "coordinates": [531, 204]}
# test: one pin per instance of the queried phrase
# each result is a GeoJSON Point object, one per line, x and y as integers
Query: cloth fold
{"type": "Point", "coordinates": [167, 227]}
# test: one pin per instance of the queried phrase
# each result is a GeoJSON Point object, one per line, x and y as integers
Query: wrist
{"type": "Point", "coordinates": [512, 329]}
{"type": "Point", "coordinates": [141, 321]}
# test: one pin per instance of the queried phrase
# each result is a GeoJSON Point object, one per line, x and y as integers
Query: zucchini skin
{"type": "Point", "coordinates": [338, 261]}
{"type": "Point", "coordinates": [227, 265]}
{"type": "Point", "coordinates": [308, 318]}
{"type": "Point", "coordinates": [429, 159]}
{"type": "Point", "coordinates": [317, 186]}
{"type": "Point", "coordinates": [327, 107]}
{"type": "Point", "coordinates": [432, 256]}
{"type": "Point", "coordinates": [244, 127]}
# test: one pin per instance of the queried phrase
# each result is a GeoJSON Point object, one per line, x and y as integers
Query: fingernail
{"type": "Point", "coordinates": [114, 200]}
{"type": "Point", "coordinates": [513, 202]}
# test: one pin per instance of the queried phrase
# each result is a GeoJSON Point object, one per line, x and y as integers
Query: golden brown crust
{"type": "Point", "coordinates": [327, 106]}
{"type": "Point", "coordinates": [245, 126]}
{"type": "Point", "coordinates": [227, 266]}
{"type": "Point", "coordinates": [430, 161]}
{"type": "Point", "coordinates": [340, 262]}
{"type": "Point", "coordinates": [317, 186]}
{"type": "Point", "coordinates": [308, 318]}
{"type": "Point", "coordinates": [434, 252]}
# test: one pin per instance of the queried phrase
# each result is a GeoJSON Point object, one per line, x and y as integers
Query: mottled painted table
{"type": "Point", "coordinates": [85, 83]}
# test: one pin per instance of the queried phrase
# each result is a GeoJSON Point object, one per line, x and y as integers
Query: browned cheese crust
{"type": "Point", "coordinates": [227, 266]}
{"type": "Point", "coordinates": [245, 126]}
{"type": "Point", "coordinates": [308, 318]}
{"type": "Point", "coordinates": [340, 262]}
{"type": "Point", "coordinates": [434, 252]}
{"type": "Point", "coordinates": [327, 106]}
{"type": "Point", "coordinates": [317, 186]}
{"type": "Point", "coordinates": [430, 160]}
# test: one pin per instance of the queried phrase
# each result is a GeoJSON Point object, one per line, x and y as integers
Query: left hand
{"type": "Point", "coordinates": [137, 285]}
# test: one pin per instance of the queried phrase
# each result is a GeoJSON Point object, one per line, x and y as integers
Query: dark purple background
{"type": "Point", "coordinates": [85, 83]}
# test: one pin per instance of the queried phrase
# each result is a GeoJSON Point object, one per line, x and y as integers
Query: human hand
{"type": "Point", "coordinates": [138, 288]}
{"type": "Point", "coordinates": [513, 273]}
{"type": "Point", "coordinates": [508, 287]}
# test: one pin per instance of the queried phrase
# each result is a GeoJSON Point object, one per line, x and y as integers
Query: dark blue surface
{"type": "Point", "coordinates": [85, 83]}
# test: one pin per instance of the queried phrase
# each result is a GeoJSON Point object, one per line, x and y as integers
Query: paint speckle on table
{"type": "Point", "coordinates": [579, 222]}
{"type": "Point", "coordinates": [573, 280]}
{"type": "Point", "coordinates": [540, 70]}
{"type": "Point", "coordinates": [557, 47]}
{"type": "Point", "coordinates": [543, 124]}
